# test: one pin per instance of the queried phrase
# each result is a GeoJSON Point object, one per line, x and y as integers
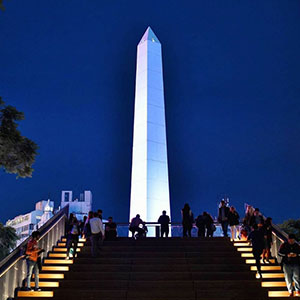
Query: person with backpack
{"type": "Point", "coordinates": [290, 253]}
{"type": "Point", "coordinates": [87, 227]}
{"type": "Point", "coordinates": [32, 255]}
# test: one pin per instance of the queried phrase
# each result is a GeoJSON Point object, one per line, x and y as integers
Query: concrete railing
{"type": "Point", "coordinates": [13, 268]}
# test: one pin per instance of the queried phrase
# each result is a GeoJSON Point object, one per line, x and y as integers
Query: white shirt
{"type": "Point", "coordinates": [96, 225]}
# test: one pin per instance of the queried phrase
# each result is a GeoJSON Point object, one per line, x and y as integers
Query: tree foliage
{"type": "Point", "coordinates": [1, 5]}
{"type": "Point", "coordinates": [17, 153]}
{"type": "Point", "coordinates": [291, 226]}
{"type": "Point", "coordinates": [8, 238]}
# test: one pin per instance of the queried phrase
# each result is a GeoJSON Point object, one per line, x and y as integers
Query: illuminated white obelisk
{"type": "Point", "coordinates": [149, 178]}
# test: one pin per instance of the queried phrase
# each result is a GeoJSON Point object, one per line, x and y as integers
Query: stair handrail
{"type": "Point", "coordinates": [14, 263]}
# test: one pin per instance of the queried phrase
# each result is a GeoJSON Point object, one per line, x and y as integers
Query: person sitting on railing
{"type": "Point", "coordinates": [209, 224]}
{"type": "Point", "coordinates": [73, 233]}
{"type": "Point", "coordinates": [266, 255]}
{"type": "Point", "coordinates": [290, 253]}
{"type": "Point", "coordinates": [32, 255]}
{"type": "Point", "coordinates": [187, 220]}
{"type": "Point", "coordinates": [164, 222]}
{"type": "Point", "coordinates": [234, 221]}
{"type": "Point", "coordinates": [256, 237]}
{"type": "Point", "coordinates": [137, 225]}
{"type": "Point", "coordinates": [110, 230]}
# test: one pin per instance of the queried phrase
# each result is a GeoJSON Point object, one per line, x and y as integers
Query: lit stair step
{"type": "Point", "coordinates": [247, 254]}
{"type": "Point", "coordinates": [278, 294]}
{"type": "Point", "coordinates": [55, 268]}
{"type": "Point", "coordinates": [240, 244]}
{"type": "Point", "coordinates": [266, 268]}
{"type": "Point", "coordinates": [271, 275]}
{"type": "Point", "coordinates": [30, 294]}
{"type": "Point", "coordinates": [57, 254]}
{"type": "Point", "coordinates": [244, 249]}
{"type": "Point", "coordinates": [270, 284]}
{"type": "Point", "coordinates": [80, 240]}
{"type": "Point", "coordinates": [56, 249]}
{"type": "Point", "coordinates": [51, 276]}
{"type": "Point", "coordinates": [252, 261]}
{"type": "Point", "coordinates": [58, 261]}
{"type": "Point", "coordinates": [64, 244]}
{"type": "Point", "coordinates": [44, 284]}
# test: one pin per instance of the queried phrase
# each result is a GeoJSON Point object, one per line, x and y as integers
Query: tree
{"type": "Point", "coordinates": [17, 153]}
{"type": "Point", "coordinates": [8, 239]}
{"type": "Point", "coordinates": [291, 226]}
{"type": "Point", "coordinates": [1, 5]}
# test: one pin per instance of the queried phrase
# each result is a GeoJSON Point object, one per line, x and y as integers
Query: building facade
{"type": "Point", "coordinates": [27, 223]}
{"type": "Point", "coordinates": [81, 206]}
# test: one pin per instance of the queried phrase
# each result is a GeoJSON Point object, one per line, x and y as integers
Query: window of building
{"type": "Point", "coordinates": [67, 196]}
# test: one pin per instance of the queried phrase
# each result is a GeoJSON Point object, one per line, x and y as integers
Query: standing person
{"type": "Point", "coordinates": [256, 218]}
{"type": "Point", "coordinates": [100, 214]}
{"type": "Point", "coordinates": [200, 223]}
{"type": "Point", "coordinates": [234, 221]}
{"type": "Point", "coordinates": [73, 237]}
{"type": "Point", "coordinates": [97, 234]}
{"type": "Point", "coordinates": [256, 237]}
{"type": "Point", "coordinates": [164, 221]}
{"type": "Point", "coordinates": [87, 227]}
{"type": "Point", "coordinates": [110, 230]}
{"type": "Point", "coordinates": [187, 220]}
{"type": "Point", "coordinates": [223, 217]}
{"type": "Point", "coordinates": [246, 221]}
{"type": "Point", "coordinates": [137, 225]}
{"type": "Point", "coordinates": [266, 255]}
{"type": "Point", "coordinates": [290, 252]}
{"type": "Point", "coordinates": [209, 224]}
{"type": "Point", "coordinates": [32, 254]}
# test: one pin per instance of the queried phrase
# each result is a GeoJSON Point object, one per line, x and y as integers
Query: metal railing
{"type": "Point", "coordinates": [13, 268]}
{"type": "Point", "coordinates": [175, 229]}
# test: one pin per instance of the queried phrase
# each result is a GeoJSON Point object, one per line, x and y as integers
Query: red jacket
{"type": "Point", "coordinates": [32, 250]}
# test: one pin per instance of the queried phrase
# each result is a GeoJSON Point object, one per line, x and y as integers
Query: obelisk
{"type": "Point", "coordinates": [149, 177]}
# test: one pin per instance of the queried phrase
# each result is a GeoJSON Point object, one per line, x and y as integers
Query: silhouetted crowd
{"type": "Point", "coordinates": [253, 228]}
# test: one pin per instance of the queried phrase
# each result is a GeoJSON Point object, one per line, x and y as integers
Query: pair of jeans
{"type": "Point", "coordinates": [257, 255]}
{"type": "Point", "coordinates": [225, 227]}
{"type": "Point", "coordinates": [96, 242]}
{"type": "Point", "coordinates": [32, 266]}
{"type": "Point", "coordinates": [292, 273]}
{"type": "Point", "coordinates": [187, 230]}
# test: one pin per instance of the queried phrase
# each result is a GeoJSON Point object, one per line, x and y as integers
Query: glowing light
{"type": "Point", "coordinates": [35, 294]}
{"type": "Point", "coordinates": [149, 177]}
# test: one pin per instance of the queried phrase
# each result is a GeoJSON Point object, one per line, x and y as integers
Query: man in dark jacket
{"type": "Point", "coordinates": [290, 253]}
{"type": "Point", "coordinates": [256, 237]}
{"type": "Point", "coordinates": [164, 222]}
{"type": "Point", "coordinates": [223, 217]}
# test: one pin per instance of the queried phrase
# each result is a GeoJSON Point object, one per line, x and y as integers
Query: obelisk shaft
{"type": "Point", "coordinates": [149, 179]}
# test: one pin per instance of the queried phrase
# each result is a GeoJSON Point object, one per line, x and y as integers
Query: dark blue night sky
{"type": "Point", "coordinates": [232, 92]}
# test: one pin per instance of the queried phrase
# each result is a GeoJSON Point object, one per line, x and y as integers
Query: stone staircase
{"type": "Point", "coordinates": [158, 269]}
